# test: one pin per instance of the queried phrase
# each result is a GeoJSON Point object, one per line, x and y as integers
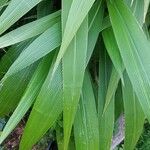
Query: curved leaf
{"type": "Point", "coordinates": [133, 46]}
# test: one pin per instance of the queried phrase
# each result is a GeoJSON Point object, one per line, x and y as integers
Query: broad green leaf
{"type": "Point", "coordinates": [134, 49]}
{"type": "Point", "coordinates": [29, 30]}
{"type": "Point", "coordinates": [78, 11]}
{"type": "Point", "coordinates": [46, 110]}
{"type": "Point", "coordinates": [40, 47]}
{"type": "Point", "coordinates": [86, 128]}
{"type": "Point", "coordinates": [29, 96]}
{"type": "Point", "coordinates": [134, 116]}
{"type": "Point", "coordinates": [56, 92]}
{"type": "Point", "coordinates": [113, 51]}
{"type": "Point", "coordinates": [106, 119]}
{"type": "Point", "coordinates": [73, 74]}
{"type": "Point", "coordinates": [51, 41]}
{"type": "Point", "coordinates": [14, 11]}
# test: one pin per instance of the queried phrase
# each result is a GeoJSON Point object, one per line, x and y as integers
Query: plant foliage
{"type": "Point", "coordinates": [75, 66]}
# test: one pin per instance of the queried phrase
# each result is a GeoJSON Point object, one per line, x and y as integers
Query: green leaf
{"type": "Point", "coordinates": [40, 47]}
{"type": "Point", "coordinates": [55, 92]}
{"type": "Point", "coordinates": [46, 110]}
{"type": "Point", "coordinates": [73, 79]}
{"type": "Point", "coordinates": [32, 55]}
{"type": "Point", "coordinates": [134, 116]}
{"type": "Point", "coordinates": [134, 46]}
{"type": "Point", "coordinates": [29, 30]}
{"type": "Point", "coordinates": [28, 97]}
{"type": "Point", "coordinates": [72, 25]}
{"type": "Point", "coordinates": [15, 10]}
{"type": "Point", "coordinates": [113, 51]}
{"type": "Point", "coordinates": [86, 128]}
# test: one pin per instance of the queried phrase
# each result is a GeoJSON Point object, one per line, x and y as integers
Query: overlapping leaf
{"type": "Point", "coordinates": [46, 110]}
{"type": "Point", "coordinates": [28, 97]}
{"type": "Point", "coordinates": [73, 74]}
{"type": "Point", "coordinates": [15, 10]}
{"type": "Point", "coordinates": [29, 30]}
{"type": "Point", "coordinates": [73, 23]}
{"type": "Point", "coordinates": [133, 46]}
{"type": "Point", "coordinates": [40, 47]}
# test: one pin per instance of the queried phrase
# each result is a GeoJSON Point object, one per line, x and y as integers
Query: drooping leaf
{"type": "Point", "coordinates": [134, 49]}
{"type": "Point", "coordinates": [113, 51]}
